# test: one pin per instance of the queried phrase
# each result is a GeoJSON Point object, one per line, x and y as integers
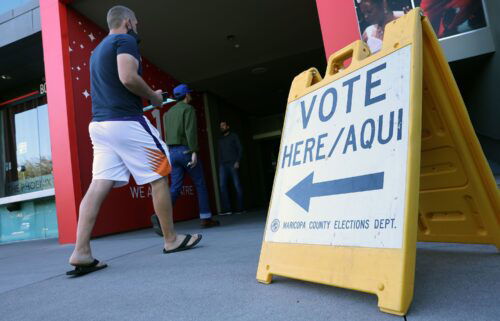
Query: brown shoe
{"type": "Point", "coordinates": [208, 223]}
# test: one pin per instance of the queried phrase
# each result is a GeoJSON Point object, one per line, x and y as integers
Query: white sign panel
{"type": "Point", "coordinates": [341, 177]}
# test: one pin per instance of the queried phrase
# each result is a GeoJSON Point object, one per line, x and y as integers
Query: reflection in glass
{"type": "Point", "coordinates": [26, 155]}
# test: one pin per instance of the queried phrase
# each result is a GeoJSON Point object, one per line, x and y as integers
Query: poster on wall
{"type": "Point", "coordinates": [449, 19]}
{"type": "Point", "coordinates": [453, 17]}
{"type": "Point", "coordinates": [373, 15]}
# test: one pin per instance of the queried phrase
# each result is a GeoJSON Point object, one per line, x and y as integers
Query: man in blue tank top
{"type": "Point", "coordinates": [124, 141]}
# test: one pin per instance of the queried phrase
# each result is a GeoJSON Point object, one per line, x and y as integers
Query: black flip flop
{"type": "Point", "coordinates": [183, 246]}
{"type": "Point", "coordinates": [86, 268]}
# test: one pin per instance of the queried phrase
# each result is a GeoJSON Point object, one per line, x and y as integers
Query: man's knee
{"type": "Point", "coordinates": [100, 185]}
{"type": "Point", "coordinates": [199, 183]}
{"type": "Point", "coordinates": [160, 183]}
{"type": "Point", "coordinates": [175, 188]}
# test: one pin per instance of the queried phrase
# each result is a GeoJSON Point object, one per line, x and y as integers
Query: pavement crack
{"type": "Point", "coordinates": [64, 273]}
{"type": "Point", "coordinates": [133, 252]}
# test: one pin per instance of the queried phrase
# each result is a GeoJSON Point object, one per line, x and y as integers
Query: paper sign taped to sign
{"type": "Point", "coordinates": [341, 177]}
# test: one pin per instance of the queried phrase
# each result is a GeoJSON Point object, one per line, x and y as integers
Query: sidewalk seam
{"type": "Point", "coordinates": [63, 274]}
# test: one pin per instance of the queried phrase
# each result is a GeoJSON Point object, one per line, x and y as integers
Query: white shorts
{"type": "Point", "coordinates": [127, 146]}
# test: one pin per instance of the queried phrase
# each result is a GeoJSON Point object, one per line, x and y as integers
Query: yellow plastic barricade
{"type": "Point", "coordinates": [374, 154]}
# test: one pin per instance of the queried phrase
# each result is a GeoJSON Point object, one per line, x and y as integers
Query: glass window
{"type": "Point", "coordinates": [26, 157]}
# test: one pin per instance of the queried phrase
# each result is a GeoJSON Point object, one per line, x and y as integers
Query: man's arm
{"type": "Point", "coordinates": [191, 129]}
{"type": "Point", "coordinates": [127, 72]}
{"type": "Point", "coordinates": [239, 149]}
{"type": "Point", "coordinates": [219, 150]}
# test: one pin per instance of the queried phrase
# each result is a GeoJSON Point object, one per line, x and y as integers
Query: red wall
{"type": "Point", "coordinates": [61, 116]}
{"type": "Point", "coordinates": [128, 207]}
{"type": "Point", "coordinates": [339, 24]}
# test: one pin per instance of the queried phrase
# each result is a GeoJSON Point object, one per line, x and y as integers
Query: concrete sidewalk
{"type": "Point", "coordinates": [217, 282]}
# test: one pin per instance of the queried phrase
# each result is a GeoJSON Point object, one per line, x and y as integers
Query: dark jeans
{"type": "Point", "coordinates": [179, 158]}
{"type": "Point", "coordinates": [228, 172]}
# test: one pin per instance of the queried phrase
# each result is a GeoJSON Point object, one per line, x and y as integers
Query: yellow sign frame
{"type": "Point", "coordinates": [442, 144]}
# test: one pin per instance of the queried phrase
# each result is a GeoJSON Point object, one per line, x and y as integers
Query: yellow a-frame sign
{"type": "Point", "coordinates": [373, 155]}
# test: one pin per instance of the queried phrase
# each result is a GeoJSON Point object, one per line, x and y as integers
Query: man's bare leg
{"type": "Point", "coordinates": [163, 209]}
{"type": "Point", "coordinates": [89, 208]}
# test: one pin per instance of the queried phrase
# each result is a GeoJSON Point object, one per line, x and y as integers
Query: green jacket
{"type": "Point", "coordinates": [180, 126]}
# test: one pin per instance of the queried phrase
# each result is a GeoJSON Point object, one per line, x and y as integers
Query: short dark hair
{"type": "Point", "coordinates": [117, 14]}
{"type": "Point", "coordinates": [224, 121]}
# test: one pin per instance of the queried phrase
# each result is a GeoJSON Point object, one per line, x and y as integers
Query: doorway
{"type": "Point", "coordinates": [269, 150]}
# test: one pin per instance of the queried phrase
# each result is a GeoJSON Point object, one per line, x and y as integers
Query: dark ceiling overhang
{"type": "Point", "coordinates": [22, 61]}
{"type": "Point", "coordinates": [195, 41]}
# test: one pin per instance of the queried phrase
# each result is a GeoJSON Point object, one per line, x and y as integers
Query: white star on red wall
{"type": "Point", "coordinates": [86, 94]}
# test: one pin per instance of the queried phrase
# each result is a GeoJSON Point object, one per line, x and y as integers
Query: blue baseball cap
{"type": "Point", "coordinates": [181, 90]}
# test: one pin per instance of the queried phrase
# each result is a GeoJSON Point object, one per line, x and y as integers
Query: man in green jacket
{"type": "Point", "coordinates": [182, 140]}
